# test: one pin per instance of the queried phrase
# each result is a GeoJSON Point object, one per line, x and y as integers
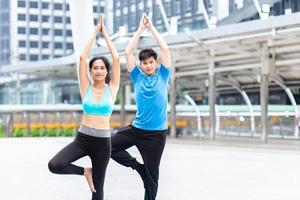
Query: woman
{"type": "Point", "coordinates": [93, 137]}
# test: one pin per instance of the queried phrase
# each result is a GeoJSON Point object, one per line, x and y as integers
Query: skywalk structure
{"type": "Point", "coordinates": [251, 54]}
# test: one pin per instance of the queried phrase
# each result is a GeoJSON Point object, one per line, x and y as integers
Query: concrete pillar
{"type": "Point", "coordinates": [82, 23]}
{"type": "Point", "coordinates": [26, 116]}
{"type": "Point", "coordinates": [122, 111]}
{"type": "Point", "coordinates": [267, 67]}
{"type": "Point", "coordinates": [212, 97]}
{"type": "Point", "coordinates": [127, 94]}
{"type": "Point", "coordinates": [18, 88]}
{"type": "Point", "coordinates": [173, 132]}
{"type": "Point", "coordinates": [264, 96]}
{"type": "Point", "coordinates": [46, 86]}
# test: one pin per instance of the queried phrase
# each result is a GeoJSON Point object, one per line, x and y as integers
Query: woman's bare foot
{"type": "Point", "coordinates": [89, 178]}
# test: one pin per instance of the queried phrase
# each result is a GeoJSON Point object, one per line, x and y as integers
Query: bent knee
{"type": "Point", "coordinates": [54, 166]}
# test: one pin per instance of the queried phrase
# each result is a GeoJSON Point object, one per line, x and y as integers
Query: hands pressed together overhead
{"type": "Point", "coordinates": [100, 27]}
{"type": "Point", "coordinates": [145, 23]}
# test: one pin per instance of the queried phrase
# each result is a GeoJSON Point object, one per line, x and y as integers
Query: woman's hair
{"type": "Point", "coordinates": [106, 63]}
{"type": "Point", "coordinates": [147, 53]}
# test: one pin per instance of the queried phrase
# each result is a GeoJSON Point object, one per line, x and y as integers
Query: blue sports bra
{"type": "Point", "coordinates": [103, 107]}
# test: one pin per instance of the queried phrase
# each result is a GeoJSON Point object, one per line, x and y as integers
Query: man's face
{"type": "Point", "coordinates": [149, 66]}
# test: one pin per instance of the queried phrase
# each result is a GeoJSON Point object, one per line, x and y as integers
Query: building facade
{"type": "Point", "coordinates": [37, 29]}
{"type": "Point", "coordinates": [4, 32]}
{"type": "Point", "coordinates": [187, 12]}
{"type": "Point", "coordinates": [34, 30]}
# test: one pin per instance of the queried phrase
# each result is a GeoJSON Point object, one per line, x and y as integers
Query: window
{"type": "Point", "coordinates": [57, 32]}
{"type": "Point", "coordinates": [69, 45]}
{"type": "Point", "coordinates": [45, 18]}
{"type": "Point", "coordinates": [45, 31]}
{"type": "Point", "coordinates": [45, 45]}
{"type": "Point", "coordinates": [33, 57]}
{"type": "Point", "coordinates": [34, 44]}
{"type": "Point", "coordinates": [21, 4]}
{"type": "Point", "coordinates": [69, 33]}
{"type": "Point", "coordinates": [132, 8]}
{"type": "Point", "coordinates": [57, 45]}
{"type": "Point", "coordinates": [57, 6]}
{"type": "Point", "coordinates": [4, 17]}
{"type": "Point", "coordinates": [4, 4]}
{"type": "Point", "coordinates": [168, 9]}
{"type": "Point", "coordinates": [95, 9]}
{"type": "Point", "coordinates": [22, 43]}
{"type": "Point", "coordinates": [177, 7]}
{"type": "Point", "coordinates": [21, 30]}
{"type": "Point", "coordinates": [117, 22]}
{"type": "Point", "coordinates": [118, 4]}
{"type": "Point", "coordinates": [21, 17]}
{"type": "Point", "coordinates": [149, 3]}
{"type": "Point", "coordinates": [45, 5]}
{"type": "Point", "coordinates": [44, 57]}
{"type": "Point", "coordinates": [4, 31]}
{"type": "Point", "coordinates": [67, 7]}
{"type": "Point", "coordinates": [132, 20]}
{"type": "Point", "coordinates": [68, 20]}
{"type": "Point", "coordinates": [118, 12]}
{"type": "Point", "coordinates": [101, 10]}
{"type": "Point", "coordinates": [188, 5]}
{"type": "Point", "coordinates": [125, 19]}
{"type": "Point", "coordinates": [58, 19]}
{"type": "Point", "coordinates": [5, 44]}
{"type": "Point", "coordinates": [33, 31]}
{"type": "Point", "coordinates": [198, 24]}
{"type": "Point", "coordinates": [33, 4]}
{"type": "Point", "coordinates": [141, 6]}
{"type": "Point", "coordinates": [125, 10]}
{"type": "Point", "coordinates": [22, 56]}
{"type": "Point", "coordinates": [33, 18]}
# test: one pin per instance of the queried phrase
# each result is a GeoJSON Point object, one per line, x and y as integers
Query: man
{"type": "Point", "coordinates": [148, 130]}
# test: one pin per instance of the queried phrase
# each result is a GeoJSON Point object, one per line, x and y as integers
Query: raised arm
{"type": "Point", "coordinates": [84, 81]}
{"type": "Point", "coordinates": [115, 75]}
{"type": "Point", "coordinates": [164, 49]}
{"type": "Point", "coordinates": [130, 49]}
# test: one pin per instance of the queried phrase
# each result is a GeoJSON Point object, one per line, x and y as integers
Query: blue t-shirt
{"type": "Point", "coordinates": [151, 97]}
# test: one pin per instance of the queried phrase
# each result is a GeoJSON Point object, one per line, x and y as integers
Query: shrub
{"type": "Point", "coordinates": [51, 132]}
{"type": "Point", "coordinates": [1, 131]}
{"type": "Point", "coordinates": [67, 132]}
{"type": "Point", "coordinates": [19, 132]}
{"type": "Point", "coordinates": [35, 132]}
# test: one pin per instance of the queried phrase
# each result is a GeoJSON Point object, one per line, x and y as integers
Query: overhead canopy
{"type": "Point", "coordinates": [236, 50]}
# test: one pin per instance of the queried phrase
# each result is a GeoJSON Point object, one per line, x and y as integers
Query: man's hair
{"type": "Point", "coordinates": [147, 53]}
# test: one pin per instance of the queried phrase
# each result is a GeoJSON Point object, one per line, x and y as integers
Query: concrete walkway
{"type": "Point", "coordinates": [226, 169]}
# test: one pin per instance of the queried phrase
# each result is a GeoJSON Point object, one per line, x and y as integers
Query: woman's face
{"type": "Point", "coordinates": [98, 70]}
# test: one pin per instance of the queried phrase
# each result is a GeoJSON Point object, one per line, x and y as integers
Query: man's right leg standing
{"type": "Point", "coordinates": [151, 146]}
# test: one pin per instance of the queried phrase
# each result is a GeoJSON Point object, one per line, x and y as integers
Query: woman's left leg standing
{"type": "Point", "coordinates": [97, 148]}
{"type": "Point", "coordinates": [100, 152]}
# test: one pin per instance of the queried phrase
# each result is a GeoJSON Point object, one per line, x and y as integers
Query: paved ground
{"type": "Point", "coordinates": [227, 169]}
